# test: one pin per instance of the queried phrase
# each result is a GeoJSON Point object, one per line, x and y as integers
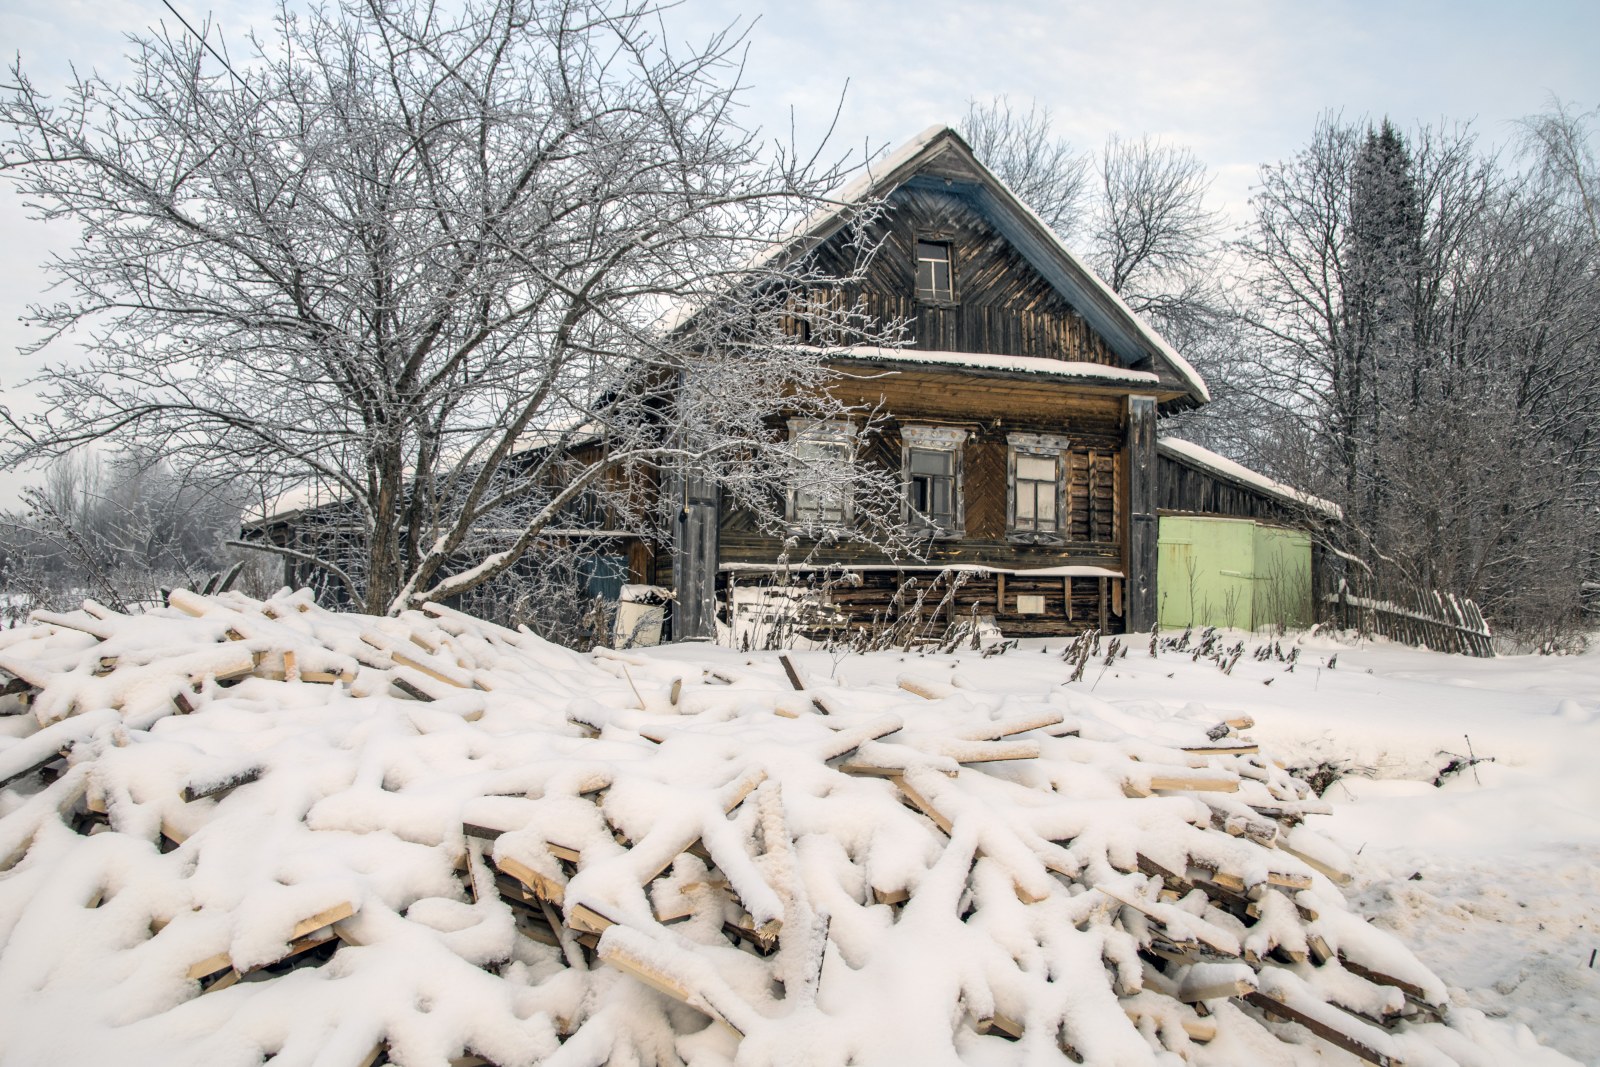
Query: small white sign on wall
{"type": "Point", "coordinates": [1030, 604]}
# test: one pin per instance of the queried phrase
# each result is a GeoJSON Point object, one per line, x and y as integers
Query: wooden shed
{"type": "Point", "coordinates": [1236, 549]}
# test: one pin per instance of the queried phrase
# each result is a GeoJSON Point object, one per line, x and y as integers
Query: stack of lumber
{"type": "Point", "coordinates": [233, 830]}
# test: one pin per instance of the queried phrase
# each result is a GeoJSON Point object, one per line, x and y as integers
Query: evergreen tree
{"type": "Point", "coordinates": [1377, 348]}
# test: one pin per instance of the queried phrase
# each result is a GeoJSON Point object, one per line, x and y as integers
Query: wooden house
{"type": "Point", "coordinates": [1023, 422]}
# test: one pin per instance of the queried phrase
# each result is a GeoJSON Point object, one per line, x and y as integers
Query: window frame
{"type": "Point", "coordinates": [932, 295]}
{"type": "Point", "coordinates": [946, 440]}
{"type": "Point", "coordinates": [1037, 446]}
{"type": "Point", "coordinates": [832, 434]}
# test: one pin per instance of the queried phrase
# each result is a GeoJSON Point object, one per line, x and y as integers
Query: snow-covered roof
{"type": "Point", "coordinates": [288, 504]}
{"type": "Point", "coordinates": [1054, 368]}
{"type": "Point", "coordinates": [1189, 452]}
{"type": "Point", "coordinates": [1102, 307]}
{"type": "Point", "coordinates": [573, 433]}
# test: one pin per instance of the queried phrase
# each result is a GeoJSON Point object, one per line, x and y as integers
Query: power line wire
{"type": "Point", "coordinates": [207, 46]}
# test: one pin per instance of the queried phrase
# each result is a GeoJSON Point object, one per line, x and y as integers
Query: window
{"type": "Point", "coordinates": [931, 486]}
{"type": "Point", "coordinates": [931, 461]}
{"type": "Point", "coordinates": [820, 492]}
{"type": "Point", "coordinates": [1036, 483]}
{"type": "Point", "coordinates": [1035, 489]}
{"type": "Point", "coordinates": [934, 280]}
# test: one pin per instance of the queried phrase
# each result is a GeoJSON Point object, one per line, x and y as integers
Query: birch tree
{"type": "Point", "coordinates": [430, 265]}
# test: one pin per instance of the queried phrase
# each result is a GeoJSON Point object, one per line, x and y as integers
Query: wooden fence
{"type": "Point", "coordinates": [1428, 618]}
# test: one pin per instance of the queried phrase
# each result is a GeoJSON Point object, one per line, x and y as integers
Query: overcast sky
{"type": "Point", "coordinates": [1241, 82]}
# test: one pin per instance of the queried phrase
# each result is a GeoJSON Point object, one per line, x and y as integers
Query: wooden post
{"type": "Point", "coordinates": [1142, 533]}
{"type": "Point", "coordinates": [694, 561]}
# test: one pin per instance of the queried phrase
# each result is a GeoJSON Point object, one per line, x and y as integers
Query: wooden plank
{"type": "Point", "coordinates": [789, 669]}
{"type": "Point", "coordinates": [1193, 989]}
{"type": "Point", "coordinates": [325, 917]}
{"type": "Point", "coordinates": [986, 751]}
{"type": "Point", "coordinates": [209, 966]}
{"type": "Point", "coordinates": [541, 886]}
{"type": "Point", "coordinates": [1146, 909]}
{"type": "Point", "coordinates": [417, 663]}
{"type": "Point", "coordinates": [916, 800]}
{"type": "Point", "coordinates": [872, 770]}
{"type": "Point", "coordinates": [618, 956]}
{"type": "Point", "coordinates": [916, 687]}
{"type": "Point", "coordinates": [587, 920]}
{"type": "Point", "coordinates": [1333, 874]}
{"type": "Point", "coordinates": [191, 793]}
{"type": "Point", "coordinates": [848, 740]}
{"type": "Point", "coordinates": [1337, 1038]}
{"type": "Point", "coordinates": [890, 896]}
{"type": "Point", "coordinates": [1173, 782]}
{"type": "Point", "coordinates": [1222, 750]}
{"type": "Point", "coordinates": [995, 730]}
{"type": "Point", "coordinates": [1379, 978]}
{"type": "Point", "coordinates": [33, 768]}
{"type": "Point", "coordinates": [1000, 1023]}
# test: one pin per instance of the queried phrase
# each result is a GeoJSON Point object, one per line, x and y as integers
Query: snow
{"type": "Point", "coordinates": [1209, 460]}
{"type": "Point", "coordinates": [1053, 368]}
{"type": "Point", "coordinates": [683, 805]}
{"type": "Point", "coordinates": [290, 503]}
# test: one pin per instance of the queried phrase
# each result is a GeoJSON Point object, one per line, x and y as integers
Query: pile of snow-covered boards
{"type": "Point", "coordinates": [233, 830]}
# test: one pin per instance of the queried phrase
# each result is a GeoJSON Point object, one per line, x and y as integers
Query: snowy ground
{"type": "Point", "coordinates": [1493, 878]}
{"type": "Point", "coordinates": [284, 833]}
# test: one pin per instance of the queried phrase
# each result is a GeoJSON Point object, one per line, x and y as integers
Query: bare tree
{"type": "Point", "coordinates": [1154, 239]}
{"type": "Point", "coordinates": [1560, 140]}
{"type": "Point", "coordinates": [1044, 170]}
{"type": "Point", "coordinates": [120, 529]}
{"type": "Point", "coordinates": [1138, 212]}
{"type": "Point", "coordinates": [457, 273]}
{"type": "Point", "coordinates": [1425, 337]}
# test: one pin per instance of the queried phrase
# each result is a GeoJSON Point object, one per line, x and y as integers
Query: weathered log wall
{"type": "Point", "coordinates": [1001, 304]}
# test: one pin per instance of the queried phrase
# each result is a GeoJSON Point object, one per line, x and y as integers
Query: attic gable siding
{"type": "Point", "coordinates": [1003, 306]}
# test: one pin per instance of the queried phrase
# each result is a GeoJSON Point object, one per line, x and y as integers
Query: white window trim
{"type": "Point", "coordinates": [935, 439]}
{"type": "Point", "coordinates": [1048, 446]}
{"type": "Point", "coordinates": [832, 432]}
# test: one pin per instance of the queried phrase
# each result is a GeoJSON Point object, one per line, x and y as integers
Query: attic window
{"type": "Point", "coordinates": [934, 280]}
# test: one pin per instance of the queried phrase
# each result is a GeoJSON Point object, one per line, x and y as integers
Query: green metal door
{"type": "Point", "coordinates": [1282, 578]}
{"type": "Point", "coordinates": [1234, 573]}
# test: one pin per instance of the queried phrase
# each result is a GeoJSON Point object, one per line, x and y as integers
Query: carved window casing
{"type": "Point", "coordinates": [932, 473]}
{"type": "Point", "coordinates": [820, 492]}
{"type": "Point", "coordinates": [1036, 488]}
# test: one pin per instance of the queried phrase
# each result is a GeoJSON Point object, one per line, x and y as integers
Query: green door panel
{"type": "Point", "coordinates": [1233, 573]}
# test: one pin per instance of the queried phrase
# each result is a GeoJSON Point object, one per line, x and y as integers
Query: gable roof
{"type": "Point", "coordinates": [939, 155]}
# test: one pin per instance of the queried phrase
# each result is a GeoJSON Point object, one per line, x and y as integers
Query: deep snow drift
{"type": "Point", "coordinates": [330, 838]}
